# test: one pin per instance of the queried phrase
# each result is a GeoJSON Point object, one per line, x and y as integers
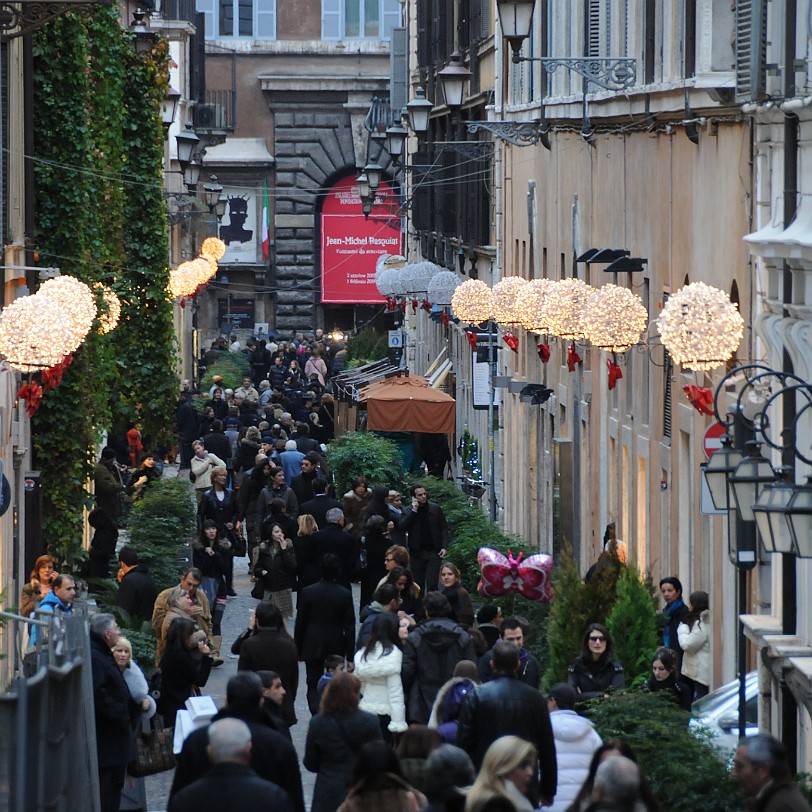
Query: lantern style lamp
{"type": "Point", "coordinates": [751, 475]}
{"type": "Point", "coordinates": [515, 19]}
{"type": "Point", "coordinates": [212, 192]}
{"type": "Point", "coordinates": [191, 175]}
{"type": "Point", "coordinates": [799, 518]}
{"type": "Point", "coordinates": [373, 171]}
{"type": "Point", "coordinates": [145, 37]}
{"type": "Point", "coordinates": [364, 189]}
{"type": "Point", "coordinates": [186, 141]}
{"type": "Point", "coordinates": [419, 109]}
{"type": "Point", "coordinates": [720, 467]}
{"type": "Point", "coordinates": [169, 107]}
{"type": "Point", "coordinates": [771, 514]}
{"type": "Point", "coordinates": [453, 78]}
{"type": "Point", "coordinates": [396, 136]}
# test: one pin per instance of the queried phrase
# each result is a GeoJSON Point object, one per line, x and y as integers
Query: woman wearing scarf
{"type": "Point", "coordinates": [675, 611]}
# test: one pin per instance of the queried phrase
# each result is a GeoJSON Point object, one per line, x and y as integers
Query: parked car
{"type": "Point", "coordinates": [718, 713]}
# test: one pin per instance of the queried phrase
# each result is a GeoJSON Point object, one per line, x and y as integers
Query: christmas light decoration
{"type": "Point", "coordinates": [505, 295]}
{"type": "Point", "coordinates": [614, 318]}
{"type": "Point", "coordinates": [183, 280]}
{"type": "Point", "coordinates": [700, 327]}
{"type": "Point", "coordinates": [34, 334]}
{"type": "Point", "coordinates": [214, 248]}
{"type": "Point", "coordinates": [563, 308]}
{"type": "Point", "coordinates": [442, 287]}
{"type": "Point", "coordinates": [76, 302]}
{"type": "Point", "coordinates": [417, 276]}
{"type": "Point", "coordinates": [108, 318]}
{"type": "Point", "coordinates": [530, 303]}
{"type": "Point", "coordinates": [472, 302]}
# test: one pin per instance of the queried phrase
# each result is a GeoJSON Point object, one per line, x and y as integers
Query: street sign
{"type": "Point", "coordinates": [396, 339]}
{"type": "Point", "coordinates": [712, 439]}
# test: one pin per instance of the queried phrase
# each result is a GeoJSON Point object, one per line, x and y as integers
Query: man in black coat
{"type": "Point", "coordinates": [318, 506]}
{"type": "Point", "coordinates": [304, 442]}
{"type": "Point", "coordinates": [272, 755]}
{"type": "Point", "coordinates": [230, 783]}
{"type": "Point", "coordinates": [507, 707]}
{"type": "Point", "coordinates": [426, 525]}
{"type": "Point", "coordinates": [334, 540]}
{"type": "Point", "coordinates": [114, 710]}
{"type": "Point", "coordinates": [188, 429]}
{"type": "Point", "coordinates": [325, 624]}
{"type": "Point", "coordinates": [136, 591]}
{"type": "Point", "coordinates": [303, 483]}
{"type": "Point", "coordinates": [216, 442]}
{"type": "Point", "coordinates": [271, 648]}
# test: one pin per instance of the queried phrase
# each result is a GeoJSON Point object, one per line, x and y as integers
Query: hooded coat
{"type": "Point", "coordinates": [695, 643]}
{"type": "Point", "coordinates": [381, 687]}
{"type": "Point", "coordinates": [575, 741]}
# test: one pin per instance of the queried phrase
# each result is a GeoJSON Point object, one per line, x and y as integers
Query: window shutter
{"type": "Point", "coordinates": [390, 17]}
{"type": "Point", "coordinates": [206, 8]}
{"type": "Point", "coordinates": [265, 19]}
{"type": "Point", "coordinates": [592, 28]}
{"type": "Point", "coordinates": [421, 191]}
{"type": "Point", "coordinates": [399, 71]}
{"type": "Point", "coordinates": [485, 11]}
{"type": "Point", "coordinates": [331, 19]}
{"type": "Point", "coordinates": [450, 194]}
{"type": "Point", "coordinates": [751, 50]}
{"type": "Point", "coordinates": [422, 33]}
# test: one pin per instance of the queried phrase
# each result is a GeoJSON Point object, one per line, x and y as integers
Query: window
{"type": "Point", "coordinates": [255, 19]}
{"type": "Point", "coordinates": [359, 19]}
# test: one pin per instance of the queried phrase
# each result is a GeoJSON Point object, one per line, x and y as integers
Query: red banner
{"type": "Point", "coordinates": [351, 244]}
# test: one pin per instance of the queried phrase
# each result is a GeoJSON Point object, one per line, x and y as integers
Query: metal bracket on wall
{"type": "Point", "coordinates": [606, 72]}
{"type": "Point", "coordinates": [25, 16]}
{"type": "Point", "coordinates": [473, 150]}
{"type": "Point", "coordinates": [518, 133]}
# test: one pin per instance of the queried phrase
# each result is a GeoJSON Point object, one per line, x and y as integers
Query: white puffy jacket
{"type": "Point", "coordinates": [575, 742]}
{"type": "Point", "coordinates": [696, 647]}
{"type": "Point", "coordinates": [381, 686]}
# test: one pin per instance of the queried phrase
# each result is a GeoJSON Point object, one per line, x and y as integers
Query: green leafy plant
{"type": "Point", "coordinates": [632, 625]}
{"type": "Point", "coordinates": [364, 454]}
{"type": "Point", "coordinates": [684, 770]}
{"type": "Point", "coordinates": [470, 459]}
{"type": "Point", "coordinates": [366, 346]}
{"type": "Point", "coordinates": [231, 366]}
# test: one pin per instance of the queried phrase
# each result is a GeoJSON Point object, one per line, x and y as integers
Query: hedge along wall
{"type": "Point", "coordinates": [101, 217]}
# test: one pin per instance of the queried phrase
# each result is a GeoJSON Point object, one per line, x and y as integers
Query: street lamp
{"type": "Point", "coordinates": [373, 171]}
{"type": "Point", "coordinates": [145, 37]}
{"type": "Point", "coordinates": [186, 142]}
{"type": "Point", "coordinates": [751, 475]}
{"type": "Point", "coordinates": [515, 19]}
{"type": "Point", "coordinates": [169, 108]}
{"type": "Point", "coordinates": [364, 186]}
{"type": "Point", "coordinates": [720, 467]}
{"type": "Point", "coordinates": [191, 174]}
{"type": "Point", "coordinates": [212, 192]}
{"type": "Point", "coordinates": [771, 513]}
{"type": "Point", "coordinates": [799, 518]}
{"type": "Point", "coordinates": [396, 136]}
{"type": "Point", "coordinates": [453, 78]}
{"type": "Point", "coordinates": [419, 109]}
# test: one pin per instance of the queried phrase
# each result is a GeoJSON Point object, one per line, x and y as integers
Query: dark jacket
{"type": "Point", "coordinates": [269, 493]}
{"type": "Point", "coordinates": [108, 489]}
{"type": "Point", "coordinates": [308, 567]}
{"type": "Point", "coordinates": [675, 614]}
{"type": "Point", "coordinates": [678, 690]}
{"type": "Point", "coordinates": [437, 526]}
{"type": "Point", "coordinates": [325, 622]}
{"type": "Point", "coordinates": [181, 672]}
{"type": "Point", "coordinates": [247, 450]}
{"type": "Point", "coordinates": [330, 750]}
{"type": "Point", "coordinates": [219, 512]}
{"type": "Point", "coordinates": [271, 650]}
{"type": "Point", "coordinates": [187, 422]}
{"type": "Point", "coordinates": [528, 673]}
{"type": "Point", "coordinates": [137, 592]}
{"type": "Point", "coordinates": [114, 708]}
{"type": "Point", "coordinates": [278, 565]}
{"type": "Point", "coordinates": [272, 756]}
{"type": "Point", "coordinates": [368, 616]}
{"type": "Point", "coordinates": [595, 678]}
{"type": "Point", "coordinates": [303, 486]}
{"type": "Point", "coordinates": [507, 707]}
{"type": "Point", "coordinates": [317, 507]}
{"type": "Point", "coordinates": [215, 442]}
{"type": "Point", "coordinates": [781, 796]}
{"type": "Point", "coordinates": [333, 539]}
{"type": "Point", "coordinates": [432, 652]}
{"type": "Point", "coordinates": [230, 786]}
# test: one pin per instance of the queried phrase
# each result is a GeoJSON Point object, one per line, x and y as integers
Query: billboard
{"type": "Point", "coordinates": [351, 244]}
{"type": "Point", "coordinates": [238, 228]}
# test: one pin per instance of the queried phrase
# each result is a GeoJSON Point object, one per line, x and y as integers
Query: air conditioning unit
{"type": "Point", "coordinates": [210, 117]}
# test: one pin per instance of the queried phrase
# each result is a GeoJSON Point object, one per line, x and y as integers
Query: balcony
{"type": "Point", "coordinates": [216, 115]}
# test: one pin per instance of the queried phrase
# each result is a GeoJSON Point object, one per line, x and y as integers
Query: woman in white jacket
{"type": "Point", "coordinates": [694, 637]}
{"type": "Point", "coordinates": [378, 665]}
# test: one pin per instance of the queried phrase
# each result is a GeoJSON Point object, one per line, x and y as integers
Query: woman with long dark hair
{"type": "Point", "coordinates": [185, 667]}
{"type": "Point", "coordinates": [334, 740]}
{"type": "Point", "coordinates": [410, 602]}
{"type": "Point", "coordinates": [694, 638]}
{"type": "Point", "coordinates": [276, 569]}
{"type": "Point", "coordinates": [376, 525]}
{"type": "Point", "coordinates": [451, 586]}
{"type": "Point", "coordinates": [595, 671]}
{"type": "Point", "coordinates": [378, 666]}
{"type": "Point", "coordinates": [664, 678]}
{"type": "Point", "coordinates": [39, 586]}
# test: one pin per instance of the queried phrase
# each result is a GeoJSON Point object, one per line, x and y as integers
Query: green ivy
{"type": "Point", "coordinates": [100, 217]}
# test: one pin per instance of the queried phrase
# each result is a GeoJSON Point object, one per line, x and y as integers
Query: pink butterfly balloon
{"type": "Point", "coordinates": [531, 578]}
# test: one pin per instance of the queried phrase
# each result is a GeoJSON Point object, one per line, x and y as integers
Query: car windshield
{"type": "Point", "coordinates": [717, 700]}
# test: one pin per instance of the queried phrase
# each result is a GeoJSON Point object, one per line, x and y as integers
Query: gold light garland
{"type": "Point", "coordinates": [472, 302]}
{"type": "Point", "coordinates": [700, 327]}
{"type": "Point", "coordinates": [206, 268]}
{"type": "Point", "coordinates": [529, 304]}
{"type": "Point", "coordinates": [76, 301]}
{"type": "Point", "coordinates": [34, 333]}
{"type": "Point", "coordinates": [563, 308]}
{"type": "Point", "coordinates": [214, 248]}
{"type": "Point", "coordinates": [504, 295]}
{"type": "Point", "coordinates": [108, 319]}
{"type": "Point", "coordinates": [183, 280]}
{"type": "Point", "coordinates": [614, 318]}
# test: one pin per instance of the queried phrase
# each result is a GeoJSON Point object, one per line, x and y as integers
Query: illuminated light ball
{"type": "Point", "coordinates": [388, 262]}
{"type": "Point", "coordinates": [563, 308]}
{"type": "Point", "coordinates": [614, 318]}
{"type": "Point", "coordinates": [504, 294]}
{"type": "Point", "coordinates": [398, 281]}
{"type": "Point", "coordinates": [183, 280]}
{"type": "Point", "coordinates": [385, 281]}
{"type": "Point", "coordinates": [472, 302]}
{"type": "Point", "coordinates": [700, 327]}
{"type": "Point", "coordinates": [206, 269]}
{"type": "Point", "coordinates": [34, 333]}
{"type": "Point", "coordinates": [529, 304]}
{"type": "Point", "coordinates": [108, 318]}
{"type": "Point", "coordinates": [214, 248]}
{"type": "Point", "coordinates": [441, 288]}
{"type": "Point", "coordinates": [76, 301]}
{"type": "Point", "coordinates": [418, 276]}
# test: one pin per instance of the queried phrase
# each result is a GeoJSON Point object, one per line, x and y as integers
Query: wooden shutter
{"type": "Point", "coordinates": [331, 19]}
{"type": "Point", "coordinates": [399, 71]}
{"type": "Point", "coordinates": [592, 28]}
{"type": "Point", "coordinates": [751, 49]}
{"type": "Point", "coordinates": [265, 19]}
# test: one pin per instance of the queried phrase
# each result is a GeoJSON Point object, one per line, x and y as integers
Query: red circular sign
{"type": "Point", "coordinates": [712, 439]}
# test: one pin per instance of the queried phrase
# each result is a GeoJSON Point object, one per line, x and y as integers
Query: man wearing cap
{"type": "Point", "coordinates": [217, 384]}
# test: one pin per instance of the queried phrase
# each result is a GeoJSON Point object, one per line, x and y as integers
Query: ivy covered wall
{"type": "Point", "coordinates": [101, 217]}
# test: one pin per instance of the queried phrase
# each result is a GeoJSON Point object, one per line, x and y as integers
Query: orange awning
{"type": "Point", "coordinates": [409, 404]}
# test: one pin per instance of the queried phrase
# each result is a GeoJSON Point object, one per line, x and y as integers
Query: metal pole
{"type": "Point", "coordinates": [742, 647]}
{"type": "Point", "coordinates": [491, 443]}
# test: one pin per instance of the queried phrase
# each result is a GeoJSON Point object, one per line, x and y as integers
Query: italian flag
{"type": "Point", "coordinates": [266, 240]}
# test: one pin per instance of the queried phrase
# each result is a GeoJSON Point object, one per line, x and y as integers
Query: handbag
{"type": "Point", "coordinates": [238, 545]}
{"type": "Point", "coordinates": [258, 591]}
{"type": "Point", "coordinates": [155, 754]}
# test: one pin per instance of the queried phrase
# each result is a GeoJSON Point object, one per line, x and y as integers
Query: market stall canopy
{"type": "Point", "coordinates": [408, 403]}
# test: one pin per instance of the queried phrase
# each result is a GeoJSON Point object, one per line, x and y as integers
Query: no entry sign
{"type": "Point", "coordinates": [712, 439]}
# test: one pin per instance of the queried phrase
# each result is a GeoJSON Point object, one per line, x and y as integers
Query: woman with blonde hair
{"type": "Point", "coordinates": [307, 554]}
{"type": "Point", "coordinates": [506, 774]}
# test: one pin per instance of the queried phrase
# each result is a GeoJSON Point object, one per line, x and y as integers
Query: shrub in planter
{"type": "Point", "coordinates": [232, 366]}
{"type": "Point", "coordinates": [161, 524]}
{"type": "Point", "coordinates": [364, 454]}
{"type": "Point", "coordinates": [684, 770]}
{"type": "Point", "coordinates": [367, 346]}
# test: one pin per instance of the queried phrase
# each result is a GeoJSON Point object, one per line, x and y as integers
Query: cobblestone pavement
{"type": "Point", "coordinates": [234, 623]}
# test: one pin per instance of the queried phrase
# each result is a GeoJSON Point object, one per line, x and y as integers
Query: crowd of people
{"type": "Point", "coordinates": [417, 701]}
